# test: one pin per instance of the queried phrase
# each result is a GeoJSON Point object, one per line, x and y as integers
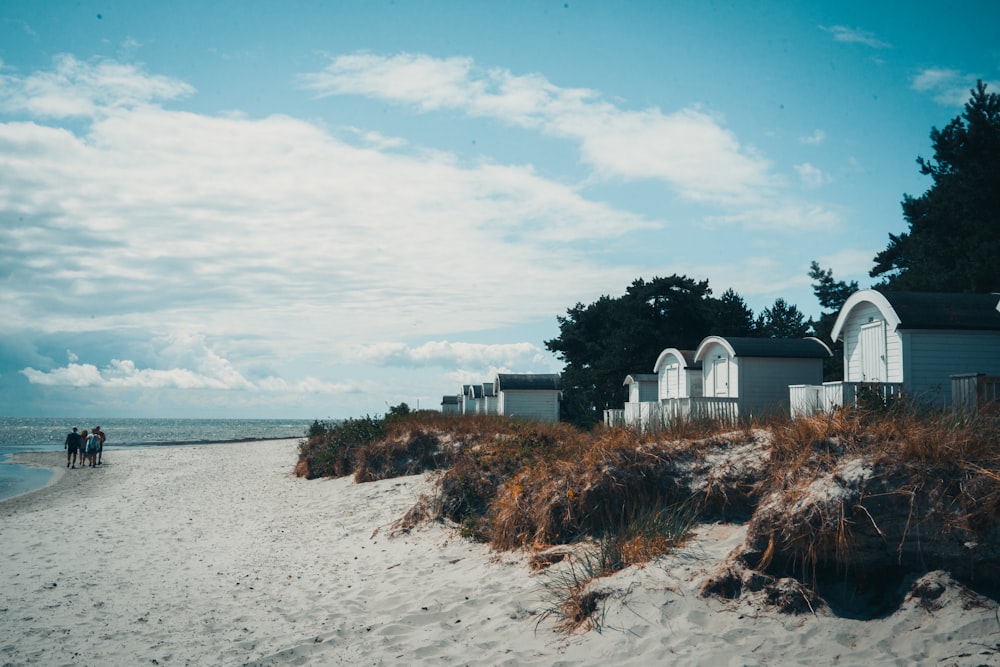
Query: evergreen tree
{"type": "Point", "coordinates": [603, 342]}
{"type": "Point", "coordinates": [782, 320]}
{"type": "Point", "coordinates": [732, 316]}
{"type": "Point", "coordinates": [953, 240]}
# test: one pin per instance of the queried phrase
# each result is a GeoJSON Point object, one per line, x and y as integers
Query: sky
{"type": "Point", "coordinates": [322, 209]}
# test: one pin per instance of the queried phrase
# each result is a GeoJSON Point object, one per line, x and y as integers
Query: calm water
{"type": "Point", "coordinates": [44, 434]}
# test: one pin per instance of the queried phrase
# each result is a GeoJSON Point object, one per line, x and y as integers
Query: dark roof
{"type": "Point", "coordinates": [488, 389]}
{"type": "Point", "coordinates": [476, 390]}
{"type": "Point", "coordinates": [450, 400]}
{"type": "Point", "coordinates": [944, 310]}
{"type": "Point", "coordinates": [689, 361]}
{"type": "Point", "coordinates": [804, 348]}
{"type": "Point", "coordinates": [641, 377]}
{"type": "Point", "coordinates": [513, 381]}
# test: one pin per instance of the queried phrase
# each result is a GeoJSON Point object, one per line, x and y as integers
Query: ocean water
{"type": "Point", "coordinates": [46, 434]}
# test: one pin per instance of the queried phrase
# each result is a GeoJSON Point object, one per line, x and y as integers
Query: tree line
{"type": "Point", "coordinates": [952, 245]}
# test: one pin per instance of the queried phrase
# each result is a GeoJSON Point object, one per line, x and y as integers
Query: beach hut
{"type": "Point", "coordinates": [641, 387]}
{"type": "Point", "coordinates": [678, 374]}
{"type": "Point", "coordinates": [490, 403]}
{"type": "Point", "coordinates": [751, 376]}
{"type": "Point", "coordinates": [679, 381]}
{"type": "Point", "coordinates": [468, 407]}
{"type": "Point", "coordinates": [915, 342]}
{"type": "Point", "coordinates": [642, 407]}
{"type": "Point", "coordinates": [475, 396]}
{"type": "Point", "coordinates": [451, 405]}
{"type": "Point", "coordinates": [528, 396]}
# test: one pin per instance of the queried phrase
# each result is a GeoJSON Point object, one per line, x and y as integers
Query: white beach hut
{"type": "Point", "coordinates": [751, 376]}
{"type": "Point", "coordinates": [528, 396]}
{"type": "Point", "coordinates": [475, 396]}
{"type": "Point", "coordinates": [678, 374]}
{"type": "Point", "coordinates": [915, 341]}
{"type": "Point", "coordinates": [643, 406]}
{"type": "Point", "coordinates": [490, 403]}
{"type": "Point", "coordinates": [451, 405]}
{"type": "Point", "coordinates": [468, 407]}
{"type": "Point", "coordinates": [679, 381]}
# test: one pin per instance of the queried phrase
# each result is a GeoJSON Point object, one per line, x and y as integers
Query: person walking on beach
{"type": "Point", "coordinates": [84, 436]}
{"type": "Point", "coordinates": [72, 446]}
{"type": "Point", "coordinates": [93, 444]}
{"type": "Point", "coordinates": [100, 445]}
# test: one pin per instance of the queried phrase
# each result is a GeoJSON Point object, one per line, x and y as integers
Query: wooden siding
{"type": "Point", "coordinates": [530, 404]}
{"type": "Point", "coordinates": [934, 356]}
{"type": "Point", "coordinates": [640, 392]}
{"type": "Point", "coordinates": [973, 390]}
{"type": "Point", "coordinates": [765, 382]}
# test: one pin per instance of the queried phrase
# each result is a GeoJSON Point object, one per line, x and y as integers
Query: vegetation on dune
{"type": "Point", "coordinates": [861, 495]}
{"type": "Point", "coordinates": [878, 496]}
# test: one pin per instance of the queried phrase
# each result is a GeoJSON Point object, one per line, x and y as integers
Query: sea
{"type": "Point", "coordinates": [47, 434]}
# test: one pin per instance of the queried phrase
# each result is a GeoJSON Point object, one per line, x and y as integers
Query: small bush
{"type": "Point", "coordinates": [330, 450]}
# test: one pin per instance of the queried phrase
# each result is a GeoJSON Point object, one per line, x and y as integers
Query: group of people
{"type": "Point", "coordinates": [89, 446]}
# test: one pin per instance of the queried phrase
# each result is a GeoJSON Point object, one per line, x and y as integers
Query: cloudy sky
{"type": "Point", "coordinates": [319, 209]}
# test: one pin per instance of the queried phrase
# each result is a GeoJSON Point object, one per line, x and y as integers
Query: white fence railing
{"type": "Point", "coordinates": [651, 415]}
{"type": "Point", "coordinates": [809, 399]}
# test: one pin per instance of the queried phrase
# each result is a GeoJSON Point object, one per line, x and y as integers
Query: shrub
{"type": "Point", "coordinates": [330, 450]}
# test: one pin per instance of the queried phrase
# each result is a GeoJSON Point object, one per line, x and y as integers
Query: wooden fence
{"type": "Point", "coordinates": [971, 391]}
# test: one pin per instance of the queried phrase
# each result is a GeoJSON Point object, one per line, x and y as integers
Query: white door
{"type": "Point", "coordinates": [872, 347]}
{"type": "Point", "coordinates": [720, 376]}
{"type": "Point", "coordinates": [673, 381]}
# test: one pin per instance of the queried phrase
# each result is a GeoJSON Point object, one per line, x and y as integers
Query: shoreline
{"type": "Point", "coordinates": [219, 555]}
{"type": "Point", "coordinates": [16, 464]}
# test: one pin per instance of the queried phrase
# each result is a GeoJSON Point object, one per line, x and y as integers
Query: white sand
{"type": "Point", "coordinates": [218, 555]}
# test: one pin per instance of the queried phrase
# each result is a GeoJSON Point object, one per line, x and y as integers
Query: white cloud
{"type": "Point", "coordinates": [123, 374]}
{"type": "Point", "coordinates": [84, 89]}
{"type": "Point", "coordinates": [690, 149]}
{"type": "Point", "coordinates": [856, 36]}
{"type": "Point", "coordinates": [790, 215]}
{"type": "Point", "coordinates": [811, 176]}
{"type": "Point", "coordinates": [304, 230]}
{"type": "Point", "coordinates": [949, 87]}
{"type": "Point", "coordinates": [814, 139]}
{"type": "Point", "coordinates": [445, 353]}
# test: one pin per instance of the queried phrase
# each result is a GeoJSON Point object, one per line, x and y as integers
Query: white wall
{"type": "Point", "coordinates": [765, 381]}
{"type": "Point", "coordinates": [642, 392]}
{"type": "Point", "coordinates": [932, 357]}
{"type": "Point", "coordinates": [530, 404]}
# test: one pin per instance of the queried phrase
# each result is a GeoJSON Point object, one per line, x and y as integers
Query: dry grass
{"type": "Point", "coordinates": [899, 488]}
{"type": "Point", "coordinates": [859, 492]}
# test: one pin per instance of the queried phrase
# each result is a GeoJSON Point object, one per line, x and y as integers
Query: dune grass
{"type": "Point", "coordinates": [628, 497]}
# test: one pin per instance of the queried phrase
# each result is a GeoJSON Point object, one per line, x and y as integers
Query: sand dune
{"type": "Point", "coordinates": [218, 555]}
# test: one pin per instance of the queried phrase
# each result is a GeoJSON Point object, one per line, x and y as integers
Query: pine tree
{"type": "Point", "coordinates": [953, 243]}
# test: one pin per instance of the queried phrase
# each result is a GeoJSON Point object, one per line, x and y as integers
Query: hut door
{"type": "Point", "coordinates": [872, 343]}
{"type": "Point", "coordinates": [673, 382]}
{"type": "Point", "coordinates": [720, 376]}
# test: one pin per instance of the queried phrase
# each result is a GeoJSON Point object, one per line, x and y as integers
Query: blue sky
{"type": "Point", "coordinates": [319, 209]}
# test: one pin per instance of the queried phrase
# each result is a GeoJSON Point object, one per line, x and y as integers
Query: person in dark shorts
{"type": "Point", "coordinates": [72, 447]}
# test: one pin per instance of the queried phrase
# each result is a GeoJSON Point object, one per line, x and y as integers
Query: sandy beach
{"type": "Point", "coordinates": [218, 555]}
